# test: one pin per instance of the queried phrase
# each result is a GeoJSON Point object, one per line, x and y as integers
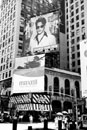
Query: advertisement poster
{"type": "Point", "coordinates": [83, 52]}
{"type": "Point", "coordinates": [28, 75]}
{"type": "Point", "coordinates": [42, 33]}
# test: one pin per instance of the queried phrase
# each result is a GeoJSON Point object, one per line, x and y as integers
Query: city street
{"type": "Point", "coordinates": [24, 126]}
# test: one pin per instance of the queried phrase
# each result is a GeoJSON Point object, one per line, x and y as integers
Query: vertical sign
{"type": "Point", "coordinates": [83, 52]}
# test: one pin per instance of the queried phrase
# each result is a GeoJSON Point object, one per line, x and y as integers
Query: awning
{"type": "Point", "coordinates": [32, 102]}
{"type": "Point", "coordinates": [33, 107]}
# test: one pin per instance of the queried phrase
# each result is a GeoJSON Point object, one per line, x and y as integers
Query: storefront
{"type": "Point", "coordinates": [31, 103]}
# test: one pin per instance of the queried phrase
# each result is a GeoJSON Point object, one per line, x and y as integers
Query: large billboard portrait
{"type": "Point", "coordinates": [28, 75]}
{"type": "Point", "coordinates": [42, 33]}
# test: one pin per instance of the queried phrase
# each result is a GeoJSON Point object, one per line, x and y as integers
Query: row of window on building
{"type": "Point", "coordinates": [5, 75]}
{"type": "Point", "coordinates": [67, 89]}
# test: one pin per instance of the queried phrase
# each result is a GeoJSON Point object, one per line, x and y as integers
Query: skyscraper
{"type": "Point", "coordinates": [76, 30]}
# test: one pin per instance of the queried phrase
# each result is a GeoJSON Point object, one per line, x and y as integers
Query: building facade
{"type": "Point", "coordinates": [65, 88]}
{"type": "Point", "coordinates": [76, 21]}
{"type": "Point", "coordinates": [13, 17]}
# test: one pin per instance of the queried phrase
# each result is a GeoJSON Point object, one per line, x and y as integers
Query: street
{"type": "Point", "coordinates": [24, 126]}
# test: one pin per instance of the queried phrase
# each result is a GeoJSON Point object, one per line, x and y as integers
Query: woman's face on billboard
{"type": "Point", "coordinates": [40, 28]}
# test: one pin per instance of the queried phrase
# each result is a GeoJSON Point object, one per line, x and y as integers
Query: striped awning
{"type": "Point", "coordinates": [34, 101]}
{"type": "Point", "coordinates": [33, 107]}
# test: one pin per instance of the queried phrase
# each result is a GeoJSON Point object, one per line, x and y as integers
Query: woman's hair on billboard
{"type": "Point", "coordinates": [42, 20]}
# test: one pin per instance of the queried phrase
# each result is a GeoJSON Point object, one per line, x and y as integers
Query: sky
{"type": "Point", "coordinates": [0, 2]}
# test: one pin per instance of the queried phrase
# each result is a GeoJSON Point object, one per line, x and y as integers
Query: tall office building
{"type": "Point", "coordinates": [11, 39]}
{"type": "Point", "coordinates": [76, 30]}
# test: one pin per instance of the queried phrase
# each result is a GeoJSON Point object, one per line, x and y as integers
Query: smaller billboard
{"type": "Point", "coordinates": [28, 75]}
{"type": "Point", "coordinates": [83, 53]}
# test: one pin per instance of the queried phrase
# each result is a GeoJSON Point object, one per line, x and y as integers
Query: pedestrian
{"type": "Point", "coordinates": [31, 118]}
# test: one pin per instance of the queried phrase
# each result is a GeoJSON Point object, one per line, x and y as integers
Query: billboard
{"type": "Point", "coordinates": [42, 33]}
{"type": "Point", "coordinates": [83, 53]}
{"type": "Point", "coordinates": [28, 75]}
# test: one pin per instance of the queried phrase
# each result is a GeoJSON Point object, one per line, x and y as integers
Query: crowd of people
{"type": "Point", "coordinates": [64, 122]}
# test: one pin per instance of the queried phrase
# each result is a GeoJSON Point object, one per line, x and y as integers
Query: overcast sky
{"type": "Point", "coordinates": [0, 2]}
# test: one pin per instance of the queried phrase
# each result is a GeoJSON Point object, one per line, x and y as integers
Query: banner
{"type": "Point", "coordinates": [28, 75]}
{"type": "Point", "coordinates": [83, 53]}
{"type": "Point", "coordinates": [42, 33]}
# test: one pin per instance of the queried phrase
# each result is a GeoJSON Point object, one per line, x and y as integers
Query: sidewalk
{"type": "Point", "coordinates": [24, 126]}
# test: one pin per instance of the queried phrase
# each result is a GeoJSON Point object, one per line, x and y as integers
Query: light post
{"type": "Point", "coordinates": [76, 108]}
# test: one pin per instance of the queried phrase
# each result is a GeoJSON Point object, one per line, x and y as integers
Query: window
{"type": "Point", "coordinates": [46, 82]}
{"type": "Point", "coordinates": [21, 37]}
{"type": "Point", "coordinates": [67, 87]}
{"type": "Point", "coordinates": [13, 14]}
{"type": "Point", "coordinates": [82, 22]}
{"type": "Point", "coordinates": [79, 70]}
{"type": "Point", "coordinates": [67, 50]}
{"type": "Point", "coordinates": [67, 43]}
{"type": "Point", "coordinates": [11, 64]}
{"type": "Point", "coordinates": [72, 27]}
{"type": "Point", "coordinates": [72, 34]}
{"type": "Point", "coordinates": [6, 75]}
{"type": "Point", "coordinates": [82, 14]}
{"type": "Point", "coordinates": [67, 58]}
{"type": "Point", "coordinates": [71, 1]}
{"type": "Point", "coordinates": [72, 13]}
{"type": "Point", "coordinates": [82, 7]}
{"type": "Point", "coordinates": [72, 20]}
{"type": "Point", "coordinates": [10, 73]}
{"type": "Point", "coordinates": [78, 47]}
{"type": "Point", "coordinates": [77, 32]}
{"type": "Point", "coordinates": [78, 54]}
{"type": "Point", "coordinates": [78, 39]}
{"type": "Point", "coordinates": [82, 1]}
{"type": "Point", "coordinates": [77, 10]}
{"type": "Point", "coordinates": [11, 17]}
{"type": "Point", "coordinates": [83, 36]}
{"type": "Point", "coordinates": [77, 24]}
{"type": "Point", "coordinates": [73, 64]}
{"type": "Point", "coordinates": [78, 62]}
{"type": "Point", "coordinates": [76, 4]}
{"type": "Point", "coordinates": [77, 17]}
{"type": "Point", "coordinates": [73, 56]}
{"type": "Point", "coordinates": [56, 86]}
{"type": "Point", "coordinates": [72, 7]}
{"type": "Point", "coordinates": [77, 87]}
{"type": "Point", "coordinates": [21, 29]}
{"type": "Point", "coordinates": [67, 29]}
{"type": "Point", "coordinates": [66, 16]}
{"type": "Point", "coordinates": [73, 41]}
{"type": "Point", "coordinates": [67, 36]}
{"type": "Point", "coordinates": [73, 48]}
{"type": "Point", "coordinates": [83, 29]}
